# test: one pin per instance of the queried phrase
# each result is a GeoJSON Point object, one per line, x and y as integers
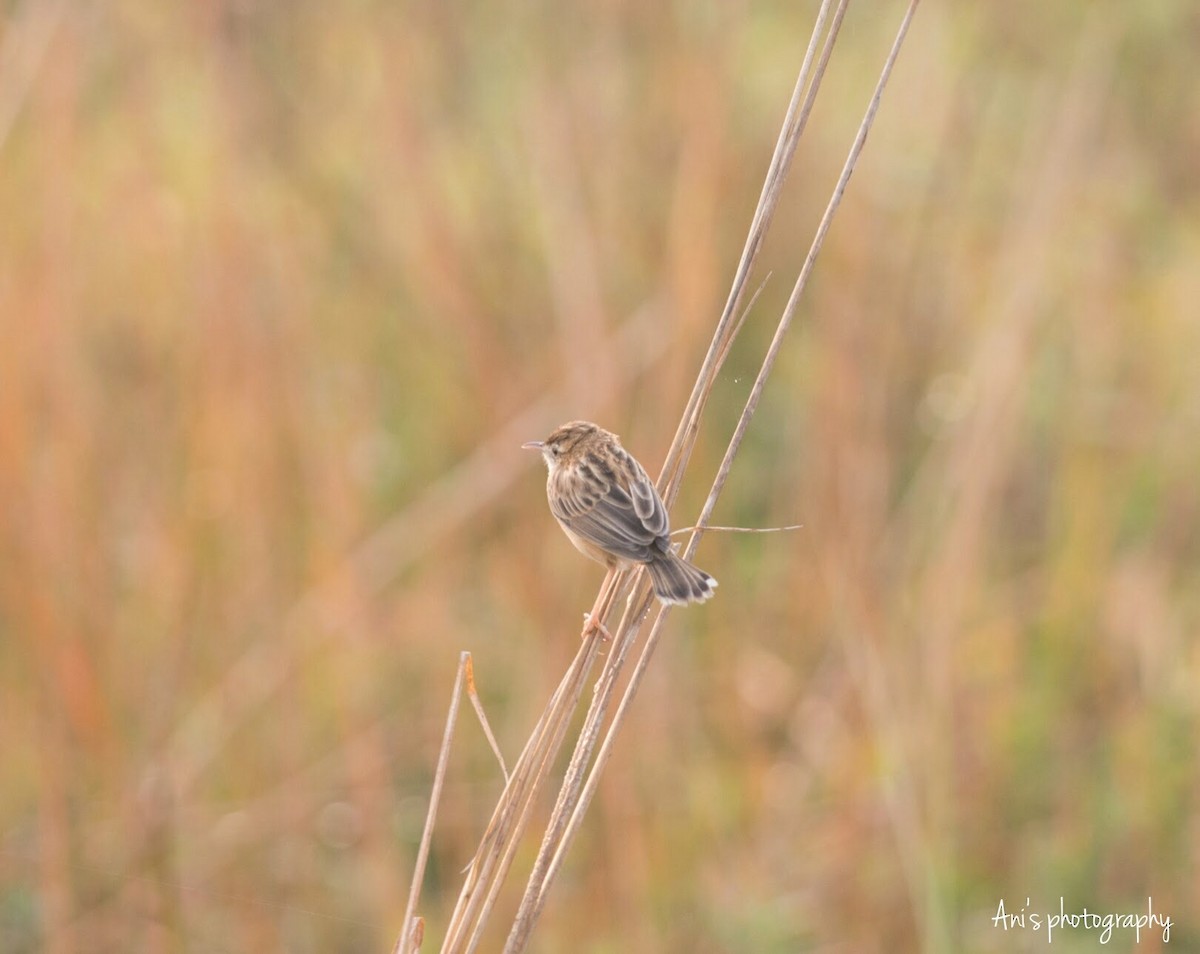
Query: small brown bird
{"type": "Point", "coordinates": [610, 510]}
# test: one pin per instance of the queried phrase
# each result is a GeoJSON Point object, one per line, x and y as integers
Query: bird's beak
{"type": "Point", "coordinates": [533, 445]}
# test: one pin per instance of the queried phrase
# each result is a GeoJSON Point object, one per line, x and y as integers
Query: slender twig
{"type": "Point", "coordinates": [494, 857]}
{"type": "Point", "coordinates": [574, 796]}
{"type": "Point", "coordinates": [473, 695]}
{"type": "Point", "coordinates": [785, 148]}
{"type": "Point", "coordinates": [407, 939]}
{"type": "Point", "coordinates": [522, 928]}
{"type": "Point", "coordinates": [789, 310]}
{"type": "Point", "coordinates": [594, 745]}
{"type": "Point", "coordinates": [708, 528]}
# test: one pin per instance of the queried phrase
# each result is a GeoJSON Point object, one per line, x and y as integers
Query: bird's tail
{"type": "Point", "coordinates": [677, 581]}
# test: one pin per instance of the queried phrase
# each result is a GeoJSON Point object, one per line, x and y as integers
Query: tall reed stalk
{"type": "Point", "coordinates": [492, 863]}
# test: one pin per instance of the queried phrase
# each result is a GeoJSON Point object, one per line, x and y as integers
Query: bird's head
{"type": "Point", "coordinates": [564, 441]}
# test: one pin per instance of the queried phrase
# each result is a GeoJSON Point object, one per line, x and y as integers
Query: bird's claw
{"type": "Point", "coordinates": [590, 627]}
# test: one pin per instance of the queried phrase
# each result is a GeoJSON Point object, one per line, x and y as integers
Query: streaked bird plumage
{"type": "Point", "coordinates": [609, 508]}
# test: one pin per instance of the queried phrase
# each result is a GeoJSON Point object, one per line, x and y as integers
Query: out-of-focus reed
{"type": "Point", "coordinates": [278, 285]}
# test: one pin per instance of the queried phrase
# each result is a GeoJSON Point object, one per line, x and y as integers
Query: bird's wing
{"type": "Point", "coordinates": [592, 501]}
{"type": "Point", "coordinates": [647, 504]}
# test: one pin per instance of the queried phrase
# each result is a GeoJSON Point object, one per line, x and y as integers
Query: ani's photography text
{"type": "Point", "coordinates": [1084, 920]}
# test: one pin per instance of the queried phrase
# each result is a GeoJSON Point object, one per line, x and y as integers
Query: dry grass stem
{"type": "Point", "coordinates": [794, 122]}
{"type": "Point", "coordinates": [493, 859]}
{"type": "Point", "coordinates": [709, 528]}
{"type": "Point", "coordinates": [572, 796]}
{"type": "Point", "coordinates": [473, 695]}
{"type": "Point", "coordinates": [789, 311]}
{"type": "Point", "coordinates": [409, 939]}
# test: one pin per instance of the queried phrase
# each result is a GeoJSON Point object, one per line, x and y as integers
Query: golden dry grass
{"type": "Point", "coordinates": [281, 290]}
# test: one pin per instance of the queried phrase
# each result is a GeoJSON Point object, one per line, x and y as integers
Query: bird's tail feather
{"type": "Point", "coordinates": [677, 581]}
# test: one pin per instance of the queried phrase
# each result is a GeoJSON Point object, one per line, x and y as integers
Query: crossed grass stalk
{"type": "Point", "coordinates": [488, 870]}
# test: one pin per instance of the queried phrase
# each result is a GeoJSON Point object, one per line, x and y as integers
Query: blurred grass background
{"type": "Point", "coordinates": [282, 286]}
